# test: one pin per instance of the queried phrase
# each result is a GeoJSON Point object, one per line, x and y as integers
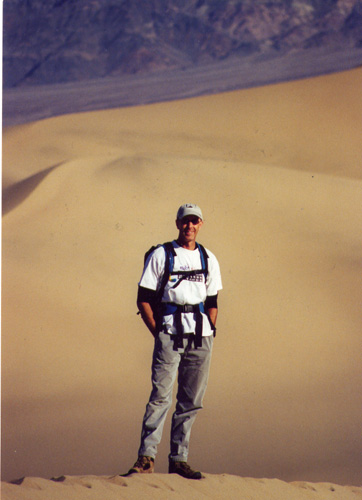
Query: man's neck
{"type": "Point", "coordinates": [188, 245]}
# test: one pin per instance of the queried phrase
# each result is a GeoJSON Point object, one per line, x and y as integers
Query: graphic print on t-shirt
{"type": "Point", "coordinates": [199, 278]}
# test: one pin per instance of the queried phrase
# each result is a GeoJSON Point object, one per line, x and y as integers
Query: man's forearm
{"type": "Point", "coordinates": [212, 312]}
{"type": "Point", "coordinates": [147, 315]}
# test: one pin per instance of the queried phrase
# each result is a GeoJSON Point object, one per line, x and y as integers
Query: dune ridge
{"type": "Point", "coordinates": [16, 193]}
{"type": "Point", "coordinates": [163, 486]}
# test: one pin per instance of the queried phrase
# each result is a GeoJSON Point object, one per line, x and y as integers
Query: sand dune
{"type": "Point", "coordinates": [163, 486]}
{"type": "Point", "coordinates": [277, 171]}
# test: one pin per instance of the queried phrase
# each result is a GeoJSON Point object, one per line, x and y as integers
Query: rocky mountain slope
{"type": "Point", "coordinates": [76, 40]}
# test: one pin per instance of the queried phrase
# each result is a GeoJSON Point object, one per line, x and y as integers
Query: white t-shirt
{"type": "Point", "coordinates": [191, 290]}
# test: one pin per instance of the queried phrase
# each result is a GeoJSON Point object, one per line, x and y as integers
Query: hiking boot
{"type": "Point", "coordinates": [183, 469]}
{"type": "Point", "coordinates": [144, 465]}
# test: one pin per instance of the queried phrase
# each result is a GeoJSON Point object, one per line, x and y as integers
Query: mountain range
{"type": "Point", "coordinates": [76, 40]}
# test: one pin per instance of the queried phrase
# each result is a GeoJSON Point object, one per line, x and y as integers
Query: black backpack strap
{"type": "Point", "coordinates": [204, 259]}
{"type": "Point", "coordinates": [169, 261]}
{"type": "Point", "coordinates": [198, 329]}
{"type": "Point", "coordinates": [168, 246]}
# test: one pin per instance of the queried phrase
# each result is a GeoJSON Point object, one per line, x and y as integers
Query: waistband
{"type": "Point", "coordinates": [172, 308]}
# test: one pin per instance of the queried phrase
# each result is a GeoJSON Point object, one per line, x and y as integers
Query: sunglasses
{"type": "Point", "coordinates": [193, 220]}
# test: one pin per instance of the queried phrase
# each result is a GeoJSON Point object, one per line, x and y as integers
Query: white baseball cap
{"type": "Point", "coordinates": [189, 209]}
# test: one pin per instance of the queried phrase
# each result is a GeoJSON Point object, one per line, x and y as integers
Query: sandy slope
{"type": "Point", "coordinates": [161, 486]}
{"type": "Point", "coordinates": [277, 172]}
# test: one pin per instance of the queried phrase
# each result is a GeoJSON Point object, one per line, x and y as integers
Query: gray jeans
{"type": "Point", "coordinates": [193, 371]}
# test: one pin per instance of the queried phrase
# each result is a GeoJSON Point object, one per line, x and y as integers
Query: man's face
{"type": "Point", "coordinates": [188, 228]}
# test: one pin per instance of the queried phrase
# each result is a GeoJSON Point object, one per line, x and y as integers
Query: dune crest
{"type": "Point", "coordinates": [165, 487]}
{"type": "Point", "coordinates": [18, 192]}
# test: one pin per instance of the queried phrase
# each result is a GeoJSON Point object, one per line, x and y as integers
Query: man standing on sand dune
{"type": "Point", "coordinates": [177, 299]}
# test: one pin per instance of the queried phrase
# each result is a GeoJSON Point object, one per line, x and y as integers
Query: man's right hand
{"type": "Point", "coordinates": [146, 312]}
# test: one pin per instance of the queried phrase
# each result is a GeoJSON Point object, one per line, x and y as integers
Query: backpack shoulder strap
{"type": "Point", "coordinates": [170, 255]}
{"type": "Point", "coordinates": [148, 253]}
{"type": "Point", "coordinates": [169, 261]}
{"type": "Point", "coordinates": [204, 259]}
